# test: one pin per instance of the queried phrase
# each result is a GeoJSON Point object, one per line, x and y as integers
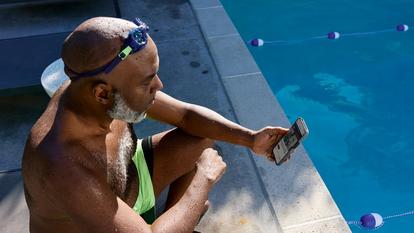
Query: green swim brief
{"type": "Point", "coordinates": [143, 160]}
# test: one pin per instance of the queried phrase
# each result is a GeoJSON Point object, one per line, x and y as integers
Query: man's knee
{"type": "Point", "coordinates": [206, 143]}
{"type": "Point", "coordinates": [198, 144]}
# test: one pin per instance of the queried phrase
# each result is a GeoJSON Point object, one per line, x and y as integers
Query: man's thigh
{"type": "Point", "coordinates": [175, 154]}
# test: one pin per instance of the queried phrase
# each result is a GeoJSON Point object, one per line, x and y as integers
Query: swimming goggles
{"type": "Point", "coordinates": [136, 40]}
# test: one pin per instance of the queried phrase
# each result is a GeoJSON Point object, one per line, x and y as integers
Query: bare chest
{"type": "Point", "coordinates": [120, 170]}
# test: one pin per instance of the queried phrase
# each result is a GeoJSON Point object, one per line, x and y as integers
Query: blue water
{"type": "Point", "coordinates": [356, 94]}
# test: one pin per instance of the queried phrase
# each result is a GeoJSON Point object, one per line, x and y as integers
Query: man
{"type": "Point", "coordinates": [83, 168]}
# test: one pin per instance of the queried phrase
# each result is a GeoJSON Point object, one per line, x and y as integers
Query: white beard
{"type": "Point", "coordinates": [121, 111]}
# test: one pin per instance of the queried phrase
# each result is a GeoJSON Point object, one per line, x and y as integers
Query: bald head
{"type": "Point", "coordinates": [94, 43]}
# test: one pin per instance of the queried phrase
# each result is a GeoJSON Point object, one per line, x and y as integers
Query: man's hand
{"type": "Point", "coordinates": [266, 139]}
{"type": "Point", "coordinates": [211, 165]}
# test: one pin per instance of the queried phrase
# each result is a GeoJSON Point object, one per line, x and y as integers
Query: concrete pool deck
{"type": "Point", "coordinates": [203, 61]}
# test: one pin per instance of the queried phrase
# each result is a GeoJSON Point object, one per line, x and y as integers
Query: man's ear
{"type": "Point", "coordinates": [103, 93]}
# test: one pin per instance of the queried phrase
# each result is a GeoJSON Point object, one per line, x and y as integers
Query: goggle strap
{"type": "Point", "coordinates": [86, 74]}
{"type": "Point", "coordinates": [121, 56]}
{"type": "Point", "coordinates": [112, 65]}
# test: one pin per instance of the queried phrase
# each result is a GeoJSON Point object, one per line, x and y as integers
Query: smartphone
{"type": "Point", "coordinates": [297, 132]}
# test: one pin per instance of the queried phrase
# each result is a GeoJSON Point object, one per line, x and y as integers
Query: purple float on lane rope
{"type": "Point", "coordinates": [373, 221]}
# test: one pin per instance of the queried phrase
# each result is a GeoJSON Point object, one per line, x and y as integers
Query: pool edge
{"type": "Point", "coordinates": [314, 209]}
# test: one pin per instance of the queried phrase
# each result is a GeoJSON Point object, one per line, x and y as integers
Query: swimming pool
{"type": "Point", "coordinates": [355, 93]}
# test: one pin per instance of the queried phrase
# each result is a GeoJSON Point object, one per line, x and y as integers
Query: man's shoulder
{"type": "Point", "coordinates": [43, 127]}
{"type": "Point", "coordinates": [54, 157]}
{"type": "Point", "coordinates": [57, 174]}
{"type": "Point", "coordinates": [65, 168]}
{"type": "Point", "coordinates": [70, 152]}
{"type": "Point", "coordinates": [51, 168]}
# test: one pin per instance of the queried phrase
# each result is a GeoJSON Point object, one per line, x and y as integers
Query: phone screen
{"type": "Point", "coordinates": [290, 141]}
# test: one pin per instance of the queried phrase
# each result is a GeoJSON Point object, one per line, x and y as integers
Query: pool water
{"type": "Point", "coordinates": [355, 93]}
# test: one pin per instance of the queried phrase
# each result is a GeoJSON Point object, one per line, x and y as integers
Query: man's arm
{"type": "Point", "coordinates": [203, 122]}
{"type": "Point", "coordinates": [86, 197]}
{"type": "Point", "coordinates": [198, 120]}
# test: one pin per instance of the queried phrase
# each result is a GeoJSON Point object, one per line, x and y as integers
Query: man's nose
{"type": "Point", "coordinates": [158, 83]}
